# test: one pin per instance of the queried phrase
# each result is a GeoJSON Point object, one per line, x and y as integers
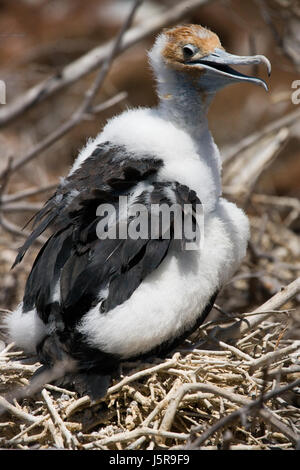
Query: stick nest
{"type": "Point", "coordinates": [171, 403]}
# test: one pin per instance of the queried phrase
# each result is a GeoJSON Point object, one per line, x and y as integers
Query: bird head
{"type": "Point", "coordinates": [196, 53]}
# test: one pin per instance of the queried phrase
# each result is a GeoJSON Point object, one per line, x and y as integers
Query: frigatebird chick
{"type": "Point", "coordinates": [92, 302]}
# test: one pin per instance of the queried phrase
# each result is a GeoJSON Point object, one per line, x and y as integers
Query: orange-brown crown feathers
{"type": "Point", "coordinates": [202, 38]}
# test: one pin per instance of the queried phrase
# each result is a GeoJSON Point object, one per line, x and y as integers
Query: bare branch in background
{"type": "Point", "coordinates": [243, 326]}
{"type": "Point", "coordinates": [93, 59]}
{"type": "Point", "coordinates": [25, 207]}
{"type": "Point", "coordinates": [286, 121]}
{"type": "Point", "coordinates": [243, 172]}
{"type": "Point", "coordinates": [289, 40]}
{"type": "Point", "coordinates": [15, 230]}
{"type": "Point", "coordinates": [27, 193]}
{"type": "Point", "coordinates": [81, 114]}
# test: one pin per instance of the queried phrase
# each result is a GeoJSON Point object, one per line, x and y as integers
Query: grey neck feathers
{"type": "Point", "coordinates": [183, 103]}
{"type": "Point", "coordinates": [185, 106]}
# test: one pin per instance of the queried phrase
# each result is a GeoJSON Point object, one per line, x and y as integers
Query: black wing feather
{"type": "Point", "coordinates": [106, 172]}
{"type": "Point", "coordinates": [83, 264]}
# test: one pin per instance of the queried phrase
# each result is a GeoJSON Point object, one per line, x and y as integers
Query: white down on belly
{"type": "Point", "coordinates": [170, 299]}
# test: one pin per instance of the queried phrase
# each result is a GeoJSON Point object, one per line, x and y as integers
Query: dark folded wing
{"type": "Point", "coordinates": [75, 270]}
{"type": "Point", "coordinates": [110, 169]}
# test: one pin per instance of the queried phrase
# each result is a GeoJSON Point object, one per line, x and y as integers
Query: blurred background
{"type": "Point", "coordinates": [38, 38]}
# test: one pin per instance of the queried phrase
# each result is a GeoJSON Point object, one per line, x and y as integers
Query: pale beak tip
{"type": "Point", "coordinates": [269, 67]}
{"type": "Point", "coordinates": [267, 63]}
{"type": "Point", "coordinates": [262, 83]}
{"type": "Point", "coordinates": [269, 71]}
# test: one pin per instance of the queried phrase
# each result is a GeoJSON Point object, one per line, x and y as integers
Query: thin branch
{"type": "Point", "coordinates": [277, 201]}
{"type": "Point", "coordinates": [27, 193]}
{"type": "Point", "coordinates": [4, 178]}
{"type": "Point", "coordinates": [243, 326]}
{"type": "Point", "coordinates": [6, 406]}
{"type": "Point", "coordinates": [70, 440]}
{"type": "Point", "coordinates": [15, 230]}
{"type": "Point", "coordinates": [38, 422]}
{"type": "Point", "coordinates": [286, 121]}
{"type": "Point", "coordinates": [25, 207]}
{"type": "Point", "coordinates": [281, 371]}
{"type": "Point", "coordinates": [232, 349]}
{"type": "Point", "coordinates": [81, 114]}
{"type": "Point", "coordinates": [273, 356]}
{"type": "Point", "coordinates": [129, 435]}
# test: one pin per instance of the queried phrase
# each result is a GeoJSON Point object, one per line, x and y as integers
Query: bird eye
{"type": "Point", "coordinates": [189, 50]}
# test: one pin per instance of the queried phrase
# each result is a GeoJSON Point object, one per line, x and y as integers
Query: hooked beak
{"type": "Point", "coordinates": [218, 70]}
